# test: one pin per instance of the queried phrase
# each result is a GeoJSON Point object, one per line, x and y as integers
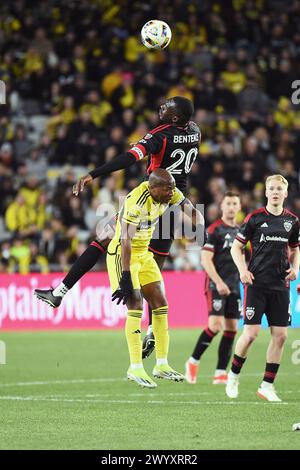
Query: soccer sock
{"type": "Point", "coordinates": [203, 342]}
{"type": "Point", "coordinates": [133, 335]}
{"type": "Point", "coordinates": [225, 349]}
{"type": "Point", "coordinates": [237, 363]}
{"type": "Point", "coordinates": [270, 372]}
{"type": "Point", "coordinates": [160, 331]}
{"type": "Point", "coordinates": [60, 290]}
{"type": "Point", "coordinates": [84, 263]}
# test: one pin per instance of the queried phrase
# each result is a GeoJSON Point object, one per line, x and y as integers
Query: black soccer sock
{"type": "Point", "coordinates": [225, 349]}
{"type": "Point", "coordinates": [237, 363]}
{"type": "Point", "coordinates": [270, 372]}
{"type": "Point", "coordinates": [84, 263]}
{"type": "Point", "coordinates": [150, 315]}
{"type": "Point", "coordinates": [203, 342]}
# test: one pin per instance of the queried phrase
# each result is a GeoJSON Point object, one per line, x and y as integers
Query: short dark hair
{"type": "Point", "coordinates": [184, 108]}
{"type": "Point", "coordinates": [231, 194]}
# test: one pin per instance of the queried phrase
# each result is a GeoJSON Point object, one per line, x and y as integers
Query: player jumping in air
{"type": "Point", "coordinates": [134, 274]}
{"type": "Point", "coordinates": [222, 291]}
{"type": "Point", "coordinates": [273, 232]}
{"type": "Point", "coordinates": [173, 146]}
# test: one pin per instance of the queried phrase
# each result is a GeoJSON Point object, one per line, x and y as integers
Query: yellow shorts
{"type": "Point", "coordinates": [143, 269]}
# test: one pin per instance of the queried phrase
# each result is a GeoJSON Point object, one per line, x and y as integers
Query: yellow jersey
{"type": "Point", "coordinates": [141, 210]}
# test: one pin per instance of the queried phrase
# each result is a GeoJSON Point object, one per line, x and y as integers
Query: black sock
{"type": "Point", "coordinates": [270, 372]}
{"type": "Point", "coordinates": [203, 342]}
{"type": "Point", "coordinates": [237, 363]}
{"type": "Point", "coordinates": [84, 263]}
{"type": "Point", "coordinates": [150, 315]}
{"type": "Point", "coordinates": [225, 349]}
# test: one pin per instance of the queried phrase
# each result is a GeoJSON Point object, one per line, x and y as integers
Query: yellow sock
{"type": "Point", "coordinates": [160, 331]}
{"type": "Point", "coordinates": [133, 335]}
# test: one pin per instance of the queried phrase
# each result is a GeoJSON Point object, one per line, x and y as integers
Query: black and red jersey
{"type": "Point", "coordinates": [220, 239]}
{"type": "Point", "coordinates": [172, 147]}
{"type": "Point", "coordinates": [270, 236]}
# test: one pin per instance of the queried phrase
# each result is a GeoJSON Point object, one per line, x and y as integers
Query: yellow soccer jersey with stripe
{"type": "Point", "coordinates": [141, 210]}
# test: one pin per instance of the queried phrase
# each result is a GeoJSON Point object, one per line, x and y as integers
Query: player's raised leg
{"type": "Point", "coordinates": [82, 265]}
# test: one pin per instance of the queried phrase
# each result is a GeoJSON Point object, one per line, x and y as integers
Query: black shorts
{"type": "Point", "coordinates": [274, 303]}
{"type": "Point", "coordinates": [164, 231]}
{"type": "Point", "coordinates": [223, 306]}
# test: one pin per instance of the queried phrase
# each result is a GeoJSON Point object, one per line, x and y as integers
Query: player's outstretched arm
{"type": "Point", "coordinates": [121, 162]}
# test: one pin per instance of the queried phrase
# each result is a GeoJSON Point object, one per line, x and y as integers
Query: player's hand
{"type": "Point", "coordinates": [222, 288]}
{"type": "Point", "coordinates": [79, 186]}
{"type": "Point", "coordinates": [125, 290]}
{"type": "Point", "coordinates": [247, 277]}
{"type": "Point", "coordinates": [291, 275]}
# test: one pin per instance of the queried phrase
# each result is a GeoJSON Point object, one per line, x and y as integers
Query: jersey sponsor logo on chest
{"type": "Point", "coordinates": [268, 238]}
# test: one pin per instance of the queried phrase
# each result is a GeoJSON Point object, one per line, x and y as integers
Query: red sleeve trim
{"type": "Point", "coordinates": [208, 249]}
{"type": "Point", "coordinates": [244, 242]}
{"type": "Point", "coordinates": [294, 245]}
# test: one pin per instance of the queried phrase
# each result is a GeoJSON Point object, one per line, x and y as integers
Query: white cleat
{"type": "Point", "coordinates": [268, 393]}
{"type": "Point", "coordinates": [232, 387]}
{"type": "Point", "coordinates": [141, 378]}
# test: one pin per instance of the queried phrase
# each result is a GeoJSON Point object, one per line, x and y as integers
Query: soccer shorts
{"type": "Point", "coordinates": [143, 268]}
{"type": "Point", "coordinates": [163, 235]}
{"type": "Point", "coordinates": [274, 303]}
{"type": "Point", "coordinates": [223, 306]}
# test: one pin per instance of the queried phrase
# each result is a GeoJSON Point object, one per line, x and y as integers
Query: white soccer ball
{"type": "Point", "coordinates": [296, 427]}
{"type": "Point", "coordinates": [156, 34]}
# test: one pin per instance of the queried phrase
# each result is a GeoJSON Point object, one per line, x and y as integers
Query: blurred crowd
{"type": "Point", "coordinates": [80, 87]}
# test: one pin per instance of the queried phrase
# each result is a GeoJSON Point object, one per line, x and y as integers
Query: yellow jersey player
{"type": "Point", "coordinates": [134, 273]}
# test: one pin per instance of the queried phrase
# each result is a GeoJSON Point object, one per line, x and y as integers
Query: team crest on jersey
{"type": "Point", "coordinates": [217, 304]}
{"type": "Point", "coordinates": [250, 311]}
{"type": "Point", "coordinates": [287, 225]}
{"type": "Point", "coordinates": [148, 136]}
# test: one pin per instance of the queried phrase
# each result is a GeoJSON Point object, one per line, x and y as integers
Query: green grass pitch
{"type": "Point", "coordinates": [66, 390]}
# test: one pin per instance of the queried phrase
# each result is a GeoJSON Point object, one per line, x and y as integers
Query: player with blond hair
{"type": "Point", "coordinates": [273, 233]}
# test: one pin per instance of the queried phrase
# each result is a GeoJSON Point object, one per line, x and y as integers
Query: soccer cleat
{"type": "Point", "coordinates": [268, 393]}
{"type": "Point", "coordinates": [166, 372]}
{"type": "Point", "coordinates": [220, 379]}
{"type": "Point", "coordinates": [232, 387]}
{"type": "Point", "coordinates": [148, 345]}
{"type": "Point", "coordinates": [140, 377]}
{"type": "Point", "coordinates": [191, 372]}
{"type": "Point", "coordinates": [48, 297]}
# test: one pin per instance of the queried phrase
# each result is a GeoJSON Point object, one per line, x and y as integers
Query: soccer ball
{"type": "Point", "coordinates": [156, 34]}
